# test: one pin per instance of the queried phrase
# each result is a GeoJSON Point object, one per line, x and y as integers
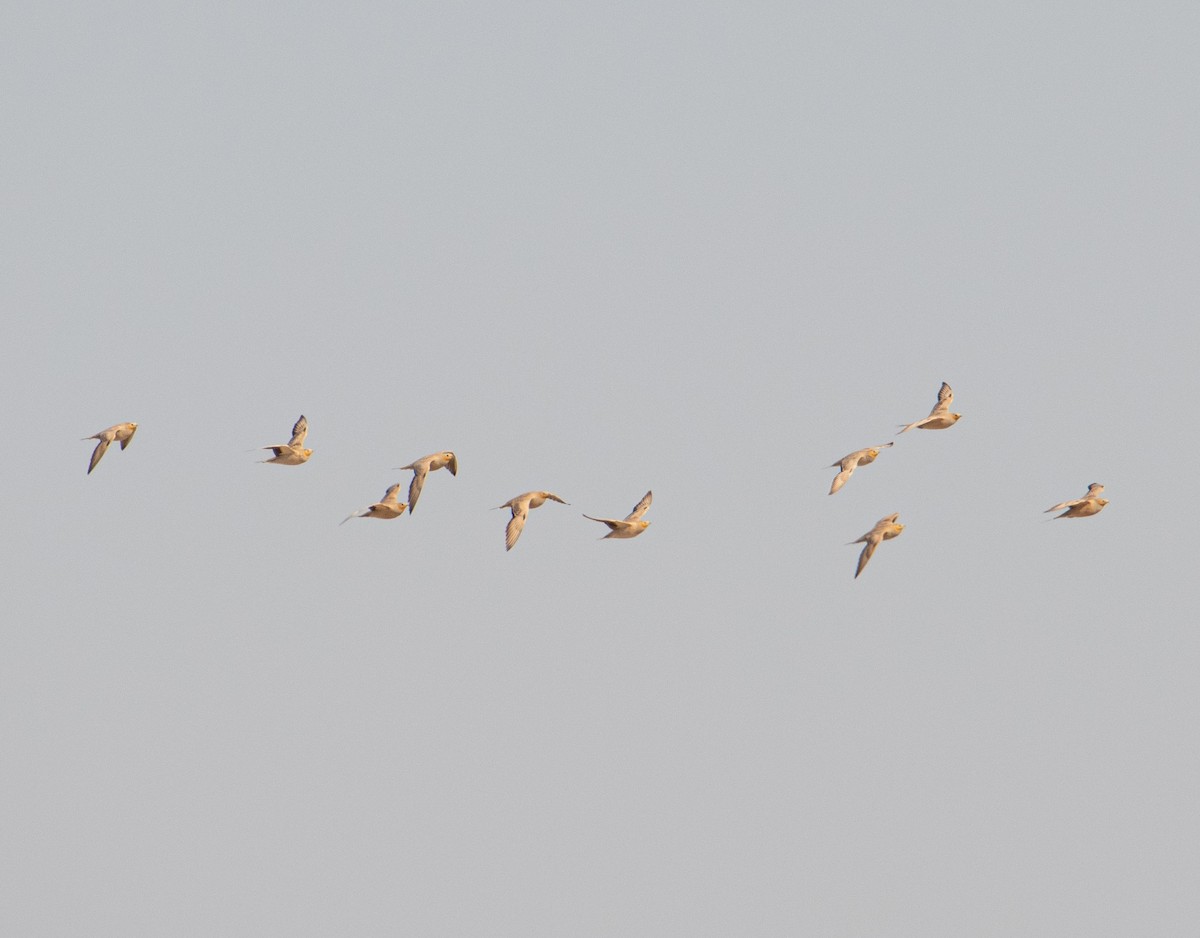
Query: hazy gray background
{"type": "Point", "coordinates": [598, 248]}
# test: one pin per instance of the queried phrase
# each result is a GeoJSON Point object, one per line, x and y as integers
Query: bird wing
{"type": "Point", "coordinates": [98, 453]}
{"type": "Point", "coordinates": [516, 524]}
{"type": "Point", "coordinates": [945, 399]}
{"type": "Point", "coordinates": [865, 556]}
{"type": "Point", "coordinates": [640, 508]}
{"type": "Point", "coordinates": [390, 497]}
{"type": "Point", "coordinates": [129, 436]}
{"type": "Point", "coordinates": [420, 470]}
{"type": "Point", "coordinates": [840, 479]}
{"type": "Point", "coordinates": [452, 465]}
{"type": "Point", "coordinates": [299, 432]}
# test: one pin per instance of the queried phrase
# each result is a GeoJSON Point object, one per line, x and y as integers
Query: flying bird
{"type": "Point", "coordinates": [120, 433]}
{"type": "Point", "coordinates": [422, 467]}
{"type": "Point", "coordinates": [520, 506]}
{"type": "Point", "coordinates": [940, 417]}
{"type": "Point", "coordinates": [387, 507]}
{"type": "Point", "coordinates": [1090, 504]}
{"type": "Point", "coordinates": [632, 525]}
{"type": "Point", "coordinates": [885, 529]}
{"type": "Point", "coordinates": [292, 453]}
{"type": "Point", "coordinates": [847, 464]}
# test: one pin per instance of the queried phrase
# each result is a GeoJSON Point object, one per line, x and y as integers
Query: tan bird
{"type": "Point", "coordinates": [848, 464]}
{"type": "Point", "coordinates": [422, 467]}
{"type": "Point", "coordinates": [1090, 504]}
{"type": "Point", "coordinates": [120, 433]}
{"type": "Point", "coordinates": [940, 417]}
{"type": "Point", "coordinates": [520, 506]}
{"type": "Point", "coordinates": [632, 525]}
{"type": "Point", "coordinates": [292, 453]}
{"type": "Point", "coordinates": [388, 507]}
{"type": "Point", "coordinates": [885, 529]}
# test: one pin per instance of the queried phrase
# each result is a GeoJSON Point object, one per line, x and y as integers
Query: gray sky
{"type": "Point", "coordinates": [701, 248]}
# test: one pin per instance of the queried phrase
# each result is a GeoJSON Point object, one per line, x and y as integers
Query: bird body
{"type": "Point", "coordinates": [885, 529]}
{"type": "Point", "coordinates": [422, 467]}
{"type": "Point", "coordinates": [520, 507]}
{"type": "Point", "coordinates": [292, 453]}
{"type": "Point", "coordinates": [386, 508]}
{"type": "Point", "coordinates": [631, 525]}
{"type": "Point", "coordinates": [847, 464]}
{"type": "Point", "coordinates": [1090, 504]}
{"type": "Point", "coordinates": [118, 433]}
{"type": "Point", "coordinates": [940, 417]}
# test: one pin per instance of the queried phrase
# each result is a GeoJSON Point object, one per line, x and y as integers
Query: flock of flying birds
{"type": "Point", "coordinates": [940, 418]}
{"type": "Point", "coordinates": [294, 453]}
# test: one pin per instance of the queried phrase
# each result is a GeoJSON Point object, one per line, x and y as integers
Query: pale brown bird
{"type": "Point", "coordinates": [422, 467]}
{"type": "Point", "coordinates": [848, 464]}
{"type": "Point", "coordinates": [387, 507]}
{"type": "Point", "coordinates": [940, 417]}
{"type": "Point", "coordinates": [292, 453]}
{"type": "Point", "coordinates": [119, 433]}
{"type": "Point", "coordinates": [520, 506]}
{"type": "Point", "coordinates": [885, 529]}
{"type": "Point", "coordinates": [632, 525]}
{"type": "Point", "coordinates": [1090, 504]}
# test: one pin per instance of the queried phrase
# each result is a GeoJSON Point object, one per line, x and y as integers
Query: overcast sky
{"type": "Point", "coordinates": [705, 249]}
